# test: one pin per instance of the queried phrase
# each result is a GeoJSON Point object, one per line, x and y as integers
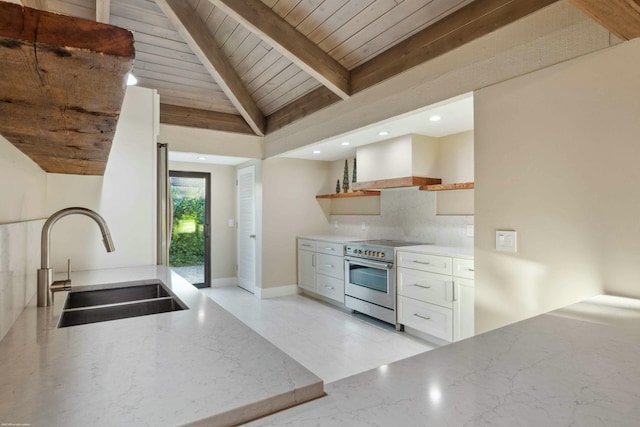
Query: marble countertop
{"type": "Point", "coordinates": [452, 251]}
{"type": "Point", "coordinates": [550, 370]}
{"type": "Point", "coordinates": [200, 366]}
{"type": "Point", "coordinates": [331, 238]}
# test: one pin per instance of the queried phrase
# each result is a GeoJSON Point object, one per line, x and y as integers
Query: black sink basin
{"type": "Point", "coordinates": [100, 305]}
{"type": "Point", "coordinates": [115, 295]}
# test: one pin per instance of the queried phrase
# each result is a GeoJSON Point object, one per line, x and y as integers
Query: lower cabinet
{"type": "Point", "coordinates": [307, 270]}
{"type": "Point", "coordinates": [436, 295]}
{"type": "Point", "coordinates": [321, 268]}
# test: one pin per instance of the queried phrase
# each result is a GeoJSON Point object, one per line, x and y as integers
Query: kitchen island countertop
{"type": "Point", "coordinates": [550, 370]}
{"type": "Point", "coordinates": [200, 366]}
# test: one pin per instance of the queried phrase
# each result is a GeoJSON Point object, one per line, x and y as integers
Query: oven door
{"type": "Point", "coordinates": [370, 281]}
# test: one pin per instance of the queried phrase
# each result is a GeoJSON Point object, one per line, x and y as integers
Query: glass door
{"type": "Point", "coordinates": [189, 250]}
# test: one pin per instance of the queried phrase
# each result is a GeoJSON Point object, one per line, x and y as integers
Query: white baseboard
{"type": "Point", "coordinates": [224, 281]}
{"type": "Point", "coordinates": [279, 291]}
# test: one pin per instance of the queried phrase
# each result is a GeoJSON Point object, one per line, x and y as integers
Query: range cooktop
{"type": "Point", "coordinates": [380, 250]}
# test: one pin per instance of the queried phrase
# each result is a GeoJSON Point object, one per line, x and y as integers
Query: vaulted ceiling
{"type": "Point", "coordinates": [254, 66]}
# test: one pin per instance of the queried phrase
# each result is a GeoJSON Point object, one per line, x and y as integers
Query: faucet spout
{"type": "Point", "coordinates": [45, 273]}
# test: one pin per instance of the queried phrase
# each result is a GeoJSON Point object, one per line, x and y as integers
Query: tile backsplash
{"type": "Point", "coordinates": [406, 214]}
{"type": "Point", "coordinates": [19, 262]}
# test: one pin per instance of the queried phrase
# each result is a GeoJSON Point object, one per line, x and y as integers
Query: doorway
{"type": "Point", "coordinates": [246, 233]}
{"type": "Point", "coordinates": [190, 247]}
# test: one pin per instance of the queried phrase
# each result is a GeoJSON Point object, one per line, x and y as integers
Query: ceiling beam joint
{"type": "Point", "coordinates": [196, 34]}
{"type": "Point", "coordinates": [258, 18]}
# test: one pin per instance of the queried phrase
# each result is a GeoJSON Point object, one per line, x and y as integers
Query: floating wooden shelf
{"type": "Point", "coordinates": [443, 187]}
{"type": "Point", "coordinates": [347, 195]}
{"type": "Point", "coordinates": [409, 181]}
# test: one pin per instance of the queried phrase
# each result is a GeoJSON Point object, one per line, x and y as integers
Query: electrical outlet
{"type": "Point", "coordinates": [363, 226]}
{"type": "Point", "coordinates": [335, 223]}
{"type": "Point", "coordinates": [469, 230]}
{"type": "Point", "coordinates": [506, 241]}
{"type": "Point", "coordinates": [231, 223]}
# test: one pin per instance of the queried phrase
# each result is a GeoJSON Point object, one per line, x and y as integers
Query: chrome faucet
{"type": "Point", "coordinates": [45, 273]}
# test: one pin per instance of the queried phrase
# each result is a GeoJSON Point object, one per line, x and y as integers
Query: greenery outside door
{"type": "Point", "coordinates": [189, 252]}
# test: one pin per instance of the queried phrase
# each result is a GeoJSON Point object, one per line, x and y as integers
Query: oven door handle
{"type": "Point", "coordinates": [366, 263]}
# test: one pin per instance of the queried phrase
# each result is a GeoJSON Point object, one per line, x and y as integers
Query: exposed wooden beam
{"type": "Point", "coordinates": [201, 41]}
{"type": "Point", "coordinates": [103, 11]}
{"type": "Point", "coordinates": [277, 32]}
{"type": "Point", "coordinates": [469, 23]}
{"type": "Point", "coordinates": [473, 21]}
{"type": "Point", "coordinates": [192, 117]}
{"type": "Point", "coordinates": [621, 17]}
{"type": "Point", "coordinates": [310, 103]}
{"type": "Point", "coordinates": [62, 87]}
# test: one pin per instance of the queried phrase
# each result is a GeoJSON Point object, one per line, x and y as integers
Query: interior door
{"type": "Point", "coordinates": [246, 228]}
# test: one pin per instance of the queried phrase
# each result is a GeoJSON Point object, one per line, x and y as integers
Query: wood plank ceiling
{"type": "Point", "coordinates": [254, 66]}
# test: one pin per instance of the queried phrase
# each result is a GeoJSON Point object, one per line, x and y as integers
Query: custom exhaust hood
{"type": "Point", "coordinates": [62, 87]}
{"type": "Point", "coordinates": [406, 161]}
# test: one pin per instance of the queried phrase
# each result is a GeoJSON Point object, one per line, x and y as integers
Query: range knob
{"type": "Point", "coordinates": [382, 255]}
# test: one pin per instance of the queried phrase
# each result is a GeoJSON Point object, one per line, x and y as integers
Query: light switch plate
{"type": "Point", "coordinates": [232, 222]}
{"type": "Point", "coordinates": [506, 241]}
{"type": "Point", "coordinates": [469, 230]}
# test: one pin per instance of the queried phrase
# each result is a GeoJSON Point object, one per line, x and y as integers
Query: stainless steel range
{"type": "Point", "coordinates": [370, 277]}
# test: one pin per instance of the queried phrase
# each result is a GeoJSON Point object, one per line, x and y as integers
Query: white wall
{"type": "Point", "coordinates": [456, 158]}
{"type": "Point", "coordinates": [290, 209]}
{"type": "Point", "coordinates": [125, 196]}
{"type": "Point", "coordinates": [557, 156]}
{"type": "Point", "coordinates": [23, 195]}
{"type": "Point", "coordinates": [223, 208]}
{"type": "Point", "coordinates": [207, 141]}
{"type": "Point", "coordinates": [22, 186]}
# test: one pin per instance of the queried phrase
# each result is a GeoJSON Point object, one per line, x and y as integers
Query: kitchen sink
{"type": "Point", "coordinates": [115, 295]}
{"type": "Point", "coordinates": [100, 305]}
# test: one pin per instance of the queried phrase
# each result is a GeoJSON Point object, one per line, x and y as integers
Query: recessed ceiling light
{"type": "Point", "coordinates": [131, 80]}
{"type": "Point", "coordinates": [435, 118]}
{"type": "Point", "coordinates": [202, 158]}
{"type": "Point", "coordinates": [316, 151]}
{"type": "Point", "coordinates": [383, 133]}
{"type": "Point", "coordinates": [344, 143]}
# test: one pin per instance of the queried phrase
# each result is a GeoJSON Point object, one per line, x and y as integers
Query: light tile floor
{"type": "Point", "coordinates": [329, 342]}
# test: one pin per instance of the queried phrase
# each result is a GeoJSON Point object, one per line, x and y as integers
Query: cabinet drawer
{"type": "Point", "coordinates": [330, 287]}
{"type": "Point", "coordinates": [424, 262]}
{"type": "Point", "coordinates": [463, 268]}
{"type": "Point", "coordinates": [426, 287]}
{"type": "Point", "coordinates": [428, 318]}
{"type": "Point", "coordinates": [307, 245]}
{"type": "Point", "coordinates": [330, 248]}
{"type": "Point", "coordinates": [330, 264]}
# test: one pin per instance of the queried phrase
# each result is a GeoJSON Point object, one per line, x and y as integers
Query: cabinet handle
{"type": "Point", "coordinates": [422, 317]}
{"type": "Point", "coordinates": [453, 291]}
{"type": "Point", "coordinates": [329, 249]}
{"type": "Point", "coordinates": [306, 245]}
{"type": "Point", "coordinates": [313, 260]}
{"type": "Point", "coordinates": [470, 269]}
{"type": "Point", "coordinates": [421, 262]}
{"type": "Point", "coordinates": [330, 287]}
{"type": "Point", "coordinates": [421, 286]}
{"type": "Point", "coordinates": [329, 266]}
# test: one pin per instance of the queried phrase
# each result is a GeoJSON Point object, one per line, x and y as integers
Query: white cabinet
{"type": "Point", "coordinates": [321, 268]}
{"type": "Point", "coordinates": [436, 294]}
{"type": "Point", "coordinates": [307, 265]}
